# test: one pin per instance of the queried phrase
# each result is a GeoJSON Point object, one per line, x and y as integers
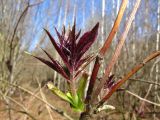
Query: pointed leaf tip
{"type": "Point", "coordinates": [58, 49]}
{"type": "Point", "coordinates": [87, 40]}
{"type": "Point", "coordinates": [58, 92]}
{"type": "Point", "coordinates": [57, 65]}
{"type": "Point", "coordinates": [96, 26]}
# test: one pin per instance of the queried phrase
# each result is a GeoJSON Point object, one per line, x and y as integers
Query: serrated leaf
{"type": "Point", "coordinates": [54, 65]}
{"type": "Point", "coordinates": [85, 60]}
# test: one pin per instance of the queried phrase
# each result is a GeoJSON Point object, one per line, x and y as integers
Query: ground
{"type": "Point", "coordinates": [39, 111]}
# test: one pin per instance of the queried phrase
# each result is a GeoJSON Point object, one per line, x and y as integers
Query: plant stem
{"type": "Point", "coordinates": [114, 28]}
{"type": "Point", "coordinates": [73, 85]}
{"type": "Point", "coordinates": [128, 75]}
{"type": "Point", "coordinates": [93, 79]}
{"type": "Point", "coordinates": [104, 49]}
{"type": "Point", "coordinates": [117, 51]}
{"type": "Point", "coordinates": [86, 115]}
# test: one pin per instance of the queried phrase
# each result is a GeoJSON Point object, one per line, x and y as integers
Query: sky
{"type": "Point", "coordinates": [46, 15]}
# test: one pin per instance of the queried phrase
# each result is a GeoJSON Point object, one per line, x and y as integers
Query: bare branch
{"type": "Point", "coordinates": [128, 75]}
{"type": "Point", "coordinates": [51, 106]}
{"type": "Point", "coordinates": [117, 51]}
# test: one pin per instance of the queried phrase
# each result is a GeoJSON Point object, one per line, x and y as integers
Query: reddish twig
{"type": "Point", "coordinates": [117, 51]}
{"type": "Point", "coordinates": [126, 77]}
{"type": "Point", "coordinates": [104, 49]}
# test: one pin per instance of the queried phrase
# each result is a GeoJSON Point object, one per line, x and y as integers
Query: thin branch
{"type": "Point", "coordinates": [44, 98]}
{"type": "Point", "coordinates": [139, 97]}
{"type": "Point", "coordinates": [17, 24]}
{"type": "Point", "coordinates": [143, 99]}
{"type": "Point", "coordinates": [20, 111]}
{"type": "Point", "coordinates": [141, 80]}
{"type": "Point", "coordinates": [104, 50]}
{"type": "Point", "coordinates": [144, 81]}
{"type": "Point", "coordinates": [51, 106]}
{"type": "Point", "coordinates": [114, 28]}
{"type": "Point", "coordinates": [150, 87]}
{"type": "Point", "coordinates": [30, 100]}
{"type": "Point", "coordinates": [128, 75]}
{"type": "Point", "coordinates": [20, 105]}
{"type": "Point", "coordinates": [117, 51]}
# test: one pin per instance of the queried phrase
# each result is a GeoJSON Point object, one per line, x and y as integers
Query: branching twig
{"type": "Point", "coordinates": [20, 111]}
{"type": "Point", "coordinates": [117, 51]}
{"type": "Point", "coordinates": [104, 50]}
{"type": "Point", "coordinates": [20, 105]}
{"type": "Point", "coordinates": [128, 75]}
{"type": "Point", "coordinates": [51, 106]}
{"type": "Point", "coordinates": [17, 24]}
{"type": "Point", "coordinates": [142, 80]}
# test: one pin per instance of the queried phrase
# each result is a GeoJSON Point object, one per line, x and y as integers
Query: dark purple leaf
{"type": "Point", "coordinates": [78, 34]}
{"type": "Point", "coordinates": [66, 51]}
{"type": "Point", "coordinates": [64, 58]}
{"type": "Point", "coordinates": [60, 37]}
{"type": "Point", "coordinates": [87, 40]}
{"type": "Point", "coordinates": [84, 65]}
{"type": "Point", "coordinates": [83, 61]}
{"type": "Point", "coordinates": [54, 65]}
{"type": "Point", "coordinates": [73, 40]}
{"type": "Point", "coordinates": [74, 29]}
{"type": "Point", "coordinates": [58, 66]}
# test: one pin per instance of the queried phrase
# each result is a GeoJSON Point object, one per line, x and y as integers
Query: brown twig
{"type": "Point", "coordinates": [23, 112]}
{"type": "Point", "coordinates": [19, 104]}
{"type": "Point", "coordinates": [51, 106]}
{"type": "Point", "coordinates": [144, 81]}
{"type": "Point", "coordinates": [104, 49]}
{"type": "Point", "coordinates": [17, 24]}
{"type": "Point", "coordinates": [114, 28]}
{"type": "Point", "coordinates": [117, 51]}
{"type": "Point", "coordinates": [142, 99]}
{"type": "Point", "coordinates": [44, 98]}
{"type": "Point", "coordinates": [128, 75]}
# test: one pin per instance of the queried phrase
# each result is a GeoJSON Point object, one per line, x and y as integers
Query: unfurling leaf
{"type": "Point", "coordinates": [82, 85]}
{"type": "Point", "coordinates": [58, 92]}
{"type": "Point", "coordinates": [74, 101]}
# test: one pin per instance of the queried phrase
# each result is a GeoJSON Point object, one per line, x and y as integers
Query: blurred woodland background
{"type": "Point", "coordinates": [23, 94]}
